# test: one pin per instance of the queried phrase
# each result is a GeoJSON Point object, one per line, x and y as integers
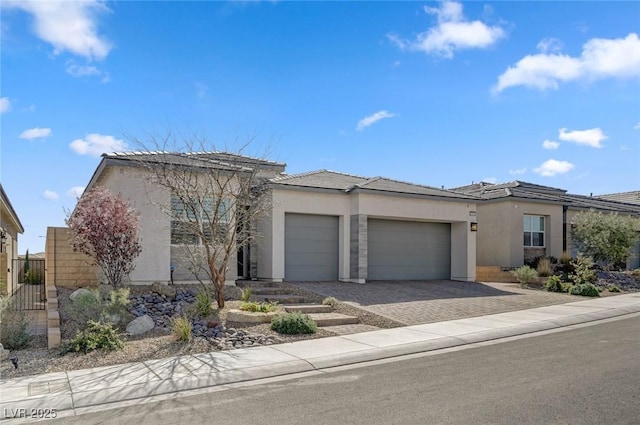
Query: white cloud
{"type": "Point", "coordinates": [637, 126]}
{"type": "Point", "coordinates": [50, 194]}
{"type": "Point", "coordinates": [600, 58]}
{"type": "Point", "coordinates": [75, 191]}
{"type": "Point", "coordinates": [80, 71]}
{"type": "Point", "coordinates": [67, 25]}
{"type": "Point", "coordinates": [550, 144]}
{"type": "Point", "coordinates": [95, 144]}
{"type": "Point", "coordinates": [453, 32]}
{"type": "Point", "coordinates": [35, 133]}
{"type": "Point", "coordinates": [371, 119]}
{"type": "Point", "coordinates": [518, 171]}
{"type": "Point", "coordinates": [592, 137]}
{"type": "Point", "coordinates": [5, 105]}
{"type": "Point", "coordinates": [549, 45]}
{"type": "Point", "coordinates": [552, 167]}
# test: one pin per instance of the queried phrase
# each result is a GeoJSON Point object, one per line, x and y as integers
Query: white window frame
{"type": "Point", "coordinates": [533, 224]}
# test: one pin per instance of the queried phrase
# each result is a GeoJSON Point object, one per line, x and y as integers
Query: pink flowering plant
{"type": "Point", "coordinates": [105, 227]}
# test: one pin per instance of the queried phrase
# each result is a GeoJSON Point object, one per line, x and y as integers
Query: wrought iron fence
{"type": "Point", "coordinates": [29, 291]}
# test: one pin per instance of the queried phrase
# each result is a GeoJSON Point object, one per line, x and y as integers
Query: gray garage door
{"type": "Point", "coordinates": [406, 250]}
{"type": "Point", "coordinates": [310, 247]}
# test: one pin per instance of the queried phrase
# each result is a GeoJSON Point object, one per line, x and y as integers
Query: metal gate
{"type": "Point", "coordinates": [29, 291]}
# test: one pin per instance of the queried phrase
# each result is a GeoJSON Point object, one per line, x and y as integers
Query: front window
{"type": "Point", "coordinates": [193, 218]}
{"type": "Point", "coordinates": [533, 231]}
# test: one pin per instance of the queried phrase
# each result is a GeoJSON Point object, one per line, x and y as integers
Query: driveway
{"type": "Point", "coordinates": [418, 302]}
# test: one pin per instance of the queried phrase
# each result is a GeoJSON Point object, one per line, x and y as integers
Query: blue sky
{"type": "Point", "coordinates": [437, 93]}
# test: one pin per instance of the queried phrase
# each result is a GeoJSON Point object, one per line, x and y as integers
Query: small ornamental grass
{"type": "Point", "coordinates": [544, 267]}
{"type": "Point", "coordinates": [245, 294]}
{"type": "Point", "coordinates": [255, 307]}
{"type": "Point", "coordinates": [14, 325]}
{"type": "Point", "coordinates": [294, 324]}
{"type": "Point", "coordinates": [524, 274]}
{"type": "Point", "coordinates": [182, 329]}
{"type": "Point", "coordinates": [613, 288]}
{"type": "Point", "coordinates": [203, 303]}
{"type": "Point", "coordinates": [96, 336]}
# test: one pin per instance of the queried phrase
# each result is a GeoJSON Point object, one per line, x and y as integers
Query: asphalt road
{"type": "Point", "coordinates": [589, 375]}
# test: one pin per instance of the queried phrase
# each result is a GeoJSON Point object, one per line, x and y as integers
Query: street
{"type": "Point", "coordinates": [589, 375]}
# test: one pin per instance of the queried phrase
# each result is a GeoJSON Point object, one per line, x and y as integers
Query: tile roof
{"type": "Point", "coordinates": [327, 179]}
{"type": "Point", "coordinates": [632, 197]}
{"type": "Point", "coordinates": [213, 159]}
{"type": "Point", "coordinates": [531, 191]}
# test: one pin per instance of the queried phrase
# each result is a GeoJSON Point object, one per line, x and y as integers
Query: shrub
{"type": "Point", "coordinates": [294, 324]}
{"type": "Point", "coordinates": [182, 329]}
{"type": "Point", "coordinates": [331, 301]}
{"type": "Point", "coordinates": [203, 303]}
{"type": "Point", "coordinates": [613, 288]}
{"type": "Point", "coordinates": [524, 274]}
{"type": "Point", "coordinates": [96, 336]}
{"type": "Point", "coordinates": [585, 289]}
{"type": "Point", "coordinates": [86, 307]}
{"type": "Point", "coordinates": [583, 271]}
{"type": "Point", "coordinates": [544, 267]}
{"type": "Point", "coordinates": [554, 284]}
{"type": "Point", "coordinates": [14, 326]}
{"type": "Point", "coordinates": [246, 295]}
{"type": "Point", "coordinates": [255, 307]}
{"type": "Point", "coordinates": [116, 303]}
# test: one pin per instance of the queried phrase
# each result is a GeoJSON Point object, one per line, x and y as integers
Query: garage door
{"type": "Point", "coordinates": [311, 247]}
{"type": "Point", "coordinates": [406, 250]}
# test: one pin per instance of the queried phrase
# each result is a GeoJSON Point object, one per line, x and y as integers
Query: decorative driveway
{"type": "Point", "coordinates": [418, 302]}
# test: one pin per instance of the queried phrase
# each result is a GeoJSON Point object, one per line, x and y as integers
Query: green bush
{"type": "Point", "coordinates": [554, 284]}
{"type": "Point", "coordinates": [331, 301]}
{"type": "Point", "coordinates": [544, 267]}
{"type": "Point", "coordinates": [116, 303]}
{"type": "Point", "coordinates": [255, 307]}
{"type": "Point", "coordinates": [583, 271]}
{"type": "Point", "coordinates": [182, 329]}
{"type": "Point", "coordinates": [524, 274]}
{"type": "Point", "coordinates": [14, 326]}
{"type": "Point", "coordinates": [585, 289]}
{"type": "Point", "coordinates": [613, 288]}
{"type": "Point", "coordinates": [203, 303]}
{"type": "Point", "coordinates": [96, 336]}
{"type": "Point", "coordinates": [294, 324]}
{"type": "Point", "coordinates": [92, 306]}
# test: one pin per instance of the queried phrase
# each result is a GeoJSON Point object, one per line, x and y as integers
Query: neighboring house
{"type": "Point", "coordinates": [632, 197]}
{"type": "Point", "coordinates": [321, 225]}
{"type": "Point", "coordinates": [519, 221]}
{"type": "Point", "coordinates": [10, 227]}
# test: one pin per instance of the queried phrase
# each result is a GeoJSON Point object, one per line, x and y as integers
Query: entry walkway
{"type": "Point", "coordinates": [79, 391]}
{"type": "Point", "coordinates": [420, 302]}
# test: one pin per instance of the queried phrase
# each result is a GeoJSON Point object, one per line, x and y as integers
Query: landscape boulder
{"type": "Point", "coordinates": [78, 293]}
{"type": "Point", "coordinates": [164, 289]}
{"type": "Point", "coordinates": [140, 325]}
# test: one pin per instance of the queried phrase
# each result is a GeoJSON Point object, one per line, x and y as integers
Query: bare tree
{"type": "Point", "coordinates": [215, 198]}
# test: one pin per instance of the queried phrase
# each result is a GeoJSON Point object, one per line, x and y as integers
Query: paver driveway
{"type": "Point", "coordinates": [418, 302]}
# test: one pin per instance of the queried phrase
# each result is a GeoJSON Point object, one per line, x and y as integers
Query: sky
{"type": "Point", "coordinates": [435, 93]}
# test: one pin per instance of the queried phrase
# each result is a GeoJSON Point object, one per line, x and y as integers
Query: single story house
{"type": "Point", "coordinates": [321, 225]}
{"type": "Point", "coordinates": [10, 227]}
{"type": "Point", "coordinates": [519, 221]}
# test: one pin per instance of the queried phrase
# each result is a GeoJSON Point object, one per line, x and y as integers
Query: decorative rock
{"type": "Point", "coordinates": [4, 354]}
{"type": "Point", "coordinates": [79, 292]}
{"type": "Point", "coordinates": [140, 325]}
{"type": "Point", "coordinates": [163, 289]}
{"type": "Point", "coordinates": [212, 324]}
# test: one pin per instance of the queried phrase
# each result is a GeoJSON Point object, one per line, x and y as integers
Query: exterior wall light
{"type": "Point", "coordinates": [474, 226]}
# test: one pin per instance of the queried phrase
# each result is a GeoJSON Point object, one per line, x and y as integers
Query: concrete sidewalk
{"type": "Point", "coordinates": [64, 391]}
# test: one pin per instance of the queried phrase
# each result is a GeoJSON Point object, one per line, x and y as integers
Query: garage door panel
{"type": "Point", "coordinates": [311, 247]}
{"type": "Point", "coordinates": [400, 250]}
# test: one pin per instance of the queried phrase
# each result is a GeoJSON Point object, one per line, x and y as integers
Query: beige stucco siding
{"type": "Point", "coordinates": [130, 183]}
{"type": "Point", "coordinates": [500, 231]}
{"type": "Point", "coordinates": [271, 252]}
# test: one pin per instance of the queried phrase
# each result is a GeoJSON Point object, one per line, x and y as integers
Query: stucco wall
{"type": "Point", "coordinates": [271, 261]}
{"type": "Point", "coordinates": [65, 268]}
{"type": "Point", "coordinates": [500, 231]}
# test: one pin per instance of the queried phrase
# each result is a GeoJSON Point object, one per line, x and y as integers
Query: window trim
{"type": "Point", "coordinates": [223, 220]}
{"type": "Point", "coordinates": [531, 232]}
